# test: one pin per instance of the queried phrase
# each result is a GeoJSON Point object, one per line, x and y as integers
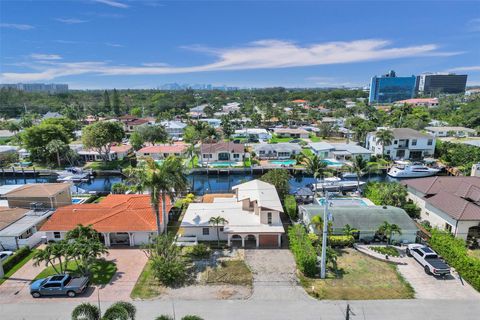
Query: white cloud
{"type": "Point", "coordinates": [116, 45]}
{"type": "Point", "coordinates": [264, 54]}
{"type": "Point", "coordinates": [465, 69]}
{"type": "Point", "coordinates": [112, 3]}
{"type": "Point", "coordinates": [71, 20]}
{"type": "Point", "coordinates": [41, 56]}
{"type": "Point", "coordinates": [16, 26]}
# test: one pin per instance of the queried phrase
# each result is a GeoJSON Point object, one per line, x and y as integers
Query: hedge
{"type": "Point", "coordinates": [341, 241]}
{"type": "Point", "coordinates": [303, 250]}
{"type": "Point", "coordinates": [454, 251]}
{"type": "Point", "coordinates": [18, 256]}
{"type": "Point", "coordinates": [291, 206]}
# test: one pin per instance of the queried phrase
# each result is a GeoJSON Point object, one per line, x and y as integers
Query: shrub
{"type": "Point", "coordinates": [291, 206]}
{"type": "Point", "coordinates": [341, 241]}
{"type": "Point", "coordinates": [18, 256]}
{"type": "Point", "coordinates": [303, 250]}
{"type": "Point", "coordinates": [192, 317]}
{"type": "Point", "coordinates": [454, 251]}
{"type": "Point", "coordinates": [391, 251]}
{"type": "Point", "coordinates": [200, 251]}
{"type": "Point", "coordinates": [412, 209]}
{"type": "Point", "coordinates": [169, 272]}
{"type": "Point", "coordinates": [164, 317]}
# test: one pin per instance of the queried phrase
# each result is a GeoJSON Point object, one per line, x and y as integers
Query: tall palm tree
{"type": "Point", "coordinates": [118, 311]}
{"type": "Point", "coordinates": [162, 180]}
{"type": "Point", "coordinates": [359, 166]}
{"type": "Point", "coordinates": [217, 222]}
{"type": "Point", "coordinates": [316, 167]}
{"type": "Point", "coordinates": [349, 231]}
{"type": "Point", "coordinates": [389, 230]}
{"type": "Point", "coordinates": [385, 138]}
{"type": "Point", "coordinates": [191, 152]}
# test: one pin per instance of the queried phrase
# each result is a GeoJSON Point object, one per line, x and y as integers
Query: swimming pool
{"type": "Point", "coordinates": [332, 163]}
{"type": "Point", "coordinates": [284, 162]}
{"type": "Point", "coordinates": [222, 164]}
{"type": "Point", "coordinates": [345, 202]}
{"type": "Point", "coordinates": [78, 200]}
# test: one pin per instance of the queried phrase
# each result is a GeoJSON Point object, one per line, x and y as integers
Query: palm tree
{"type": "Point", "coordinates": [389, 230]}
{"type": "Point", "coordinates": [118, 311]}
{"type": "Point", "coordinates": [317, 223]}
{"type": "Point", "coordinates": [359, 166]}
{"type": "Point", "coordinates": [349, 231]}
{"type": "Point", "coordinates": [217, 221]}
{"type": "Point", "coordinates": [56, 147]}
{"type": "Point", "coordinates": [385, 138]}
{"type": "Point", "coordinates": [162, 180]}
{"type": "Point", "coordinates": [191, 152]}
{"type": "Point", "coordinates": [164, 317]}
{"type": "Point", "coordinates": [316, 167]}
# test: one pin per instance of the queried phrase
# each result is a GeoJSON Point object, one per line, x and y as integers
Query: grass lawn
{"type": "Point", "coordinates": [111, 165]}
{"type": "Point", "coordinates": [314, 138]}
{"type": "Point", "coordinates": [247, 162]}
{"type": "Point", "coordinates": [102, 271]}
{"type": "Point", "coordinates": [391, 251]}
{"type": "Point", "coordinates": [233, 272]}
{"type": "Point", "coordinates": [147, 287]}
{"type": "Point", "coordinates": [474, 253]}
{"type": "Point", "coordinates": [276, 139]}
{"type": "Point", "coordinates": [17, 267]}
{"type": "Point", "coordinates": [359, 278]}
{"type": "Point", "coordinates": [307, 152]}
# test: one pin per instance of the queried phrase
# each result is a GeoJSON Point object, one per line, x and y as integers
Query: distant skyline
{"type": "Point", "coordinates": [96, 44]}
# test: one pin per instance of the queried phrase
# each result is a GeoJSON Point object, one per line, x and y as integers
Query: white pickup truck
{"type": "Point", "coordinates": [429, 259]}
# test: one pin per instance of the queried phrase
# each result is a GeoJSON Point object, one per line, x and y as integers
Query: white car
{"type": "Point", "coordinates": [429, 260]}
{"type": "Point", "coordinates": [5, 254]}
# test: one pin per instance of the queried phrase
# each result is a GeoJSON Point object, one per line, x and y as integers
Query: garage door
{"type": "Point", "coordinates": [268, 240]}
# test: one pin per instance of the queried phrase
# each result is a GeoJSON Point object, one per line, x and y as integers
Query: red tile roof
{"type": "Point", "coordinates": [121, 148]}
{"type": "Point", "coordinates": [115, 213]}
{"type": "Point", "coordinates": [165, 148]}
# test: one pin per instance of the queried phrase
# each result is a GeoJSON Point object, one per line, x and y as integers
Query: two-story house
{"type": "Point", "coordinates": [406, 144]}
{"type": "Point", "coordinates": [276, 150]}
{"type": "Point", "coordinates": [253, 215]}
{"type": "Point", "coordinates": [221, 151]}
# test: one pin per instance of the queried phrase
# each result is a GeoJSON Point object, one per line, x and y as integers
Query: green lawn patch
{"type": "Point", "coordinates": [307, 152]}
{"type": "Point", "coordinates": [359, 277]}
{"type": "Point", "coordinates": [102, 271]}
{"type": "Point", "coordinates": [314, 138]}
{"type": "Point", "coordinates": [391, 251]}
{"type": "Point", "coordinates": [234, 272]}
{"type": "Point", "coordinates": [17, 266]}
{"type": "Point", "coordinates": [110, 165]}
{"type": "Point", "coordinates": [276, 139]}
{"type": "Point", "coordinates": [147, 287]}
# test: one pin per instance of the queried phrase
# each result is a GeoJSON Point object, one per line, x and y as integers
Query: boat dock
{"type": "Point", "coordinates": [25, 172]}
{"type": "Point", "coordinates": [248, 170]}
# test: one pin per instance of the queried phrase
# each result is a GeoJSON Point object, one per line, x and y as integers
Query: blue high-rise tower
{"type": "Point", "coordinates": [390, 88]}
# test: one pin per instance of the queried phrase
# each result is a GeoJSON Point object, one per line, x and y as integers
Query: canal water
{"type": "Point", "coordinates": [200, 183]}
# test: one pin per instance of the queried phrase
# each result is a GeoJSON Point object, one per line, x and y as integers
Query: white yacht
{"type": "Point", "coordinates": [336, 184]}
{"type": "Point", "coordinates": [411, 171]}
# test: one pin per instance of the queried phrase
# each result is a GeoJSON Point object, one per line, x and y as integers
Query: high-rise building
{"type": "Point", "coordinates": [435, 83]}
{"type": "Point", "coordinates": [37, 87]}
{"type": "Point", "coordinates": [390, 88]}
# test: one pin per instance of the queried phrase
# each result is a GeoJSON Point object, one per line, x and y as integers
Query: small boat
{"type": "Point", "coordinates": [349, 175]}
{"type": "Point", "coordinates": [336, 184]}
{"type": "Point", "coordinates": [412, 171]}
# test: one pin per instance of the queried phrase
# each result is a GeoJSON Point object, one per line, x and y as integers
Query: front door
{"type": "Point", "coordinates": [224, 156]}
{"type": "Point", "coordinates": [416, 155]}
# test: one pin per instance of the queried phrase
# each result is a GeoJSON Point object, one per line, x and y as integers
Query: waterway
{"type": "Point", "coordinates": [200, 183]}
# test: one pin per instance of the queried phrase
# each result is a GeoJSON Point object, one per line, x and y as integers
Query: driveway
{"type": "Point", "coordinates": [430, 287]}
{"type": "Point", "coordinates": [130, 263]}
{"type": "Point", "coordinates": [274, 275]}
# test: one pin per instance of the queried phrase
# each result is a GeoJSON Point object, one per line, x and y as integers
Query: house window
{"type": "Point", "coordinates": [206, 231]}
{"type": "Point", "coordinates": [207, 156]}
{"type": "Point", "coordinates": [448, 227]}
{"type": "Point", "coordinates": [236, 156]}
{"type": "Point", "coordinates": [388, 152]}
{"type": "Point", "coordinates": [56, 235]}
{"type": "Point", "coordinates": [395, 142]}
{"type": "Point", "coordinates": [262, 152]}
{"type": "Point", "coordinates": [269, 217]}
{"type": "Point", "coordinates": [430, 142]}
{"type": "Point", "coordinates": [221, 229]}
{"type": "Point", "coordinates": [414, 142]}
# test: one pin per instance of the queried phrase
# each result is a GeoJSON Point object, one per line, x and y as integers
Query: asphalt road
{"type": "Point", "coordinates": [267, 309]}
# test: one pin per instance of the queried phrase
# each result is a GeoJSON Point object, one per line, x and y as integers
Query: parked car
{"type": "Point", "coordinates": [429, 259]}
{"type": "Point", "coordinates": [5, 254]}
{"type": "Point", "coordinates": [60, 284]}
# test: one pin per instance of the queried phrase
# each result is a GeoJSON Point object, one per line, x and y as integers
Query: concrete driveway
{"type": "Point", "coordinates": [130, 263]}
{"type": "Point", "coordinates": [274, 275]}
{"type": "Point", "coordinates": [430, 287]}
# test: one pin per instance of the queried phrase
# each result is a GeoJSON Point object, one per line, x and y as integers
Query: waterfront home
{"type": "Point", "coordinates": [459, 132]}
{"type": "Point", "coordinates": [339, 151]}
{"type": "Point", "coordinates": [252, 212]}
{"type": "Point", "coordinates": [39, 195]}
{"type": "Point", "coordinates": [406, 144]}
{"type": "Point", "coordinates": [295, 133]}
{"type": "Point", "coordinates": [119, 152]}
{"type": "Point", "coordinates": [215, 123]}
{"type": "Point", "coordinates": [253, 133]}
{"type": "Point", "coordinates": [162, 151]}
{"type": "Point", "coordinates": [174, 129]}
{"type": "Point", "coordinates": [19, 227]}
{"type": "Point", "coordinates": [120, 219]}
{"type": "Point", "coordinates": [448, 203]}
{"type": "Point", "coordinates": [276, 150]}
{"type": "Point", "coordinates": [366, 219]}
{"type": "Point", "coordinates": [221, 151]}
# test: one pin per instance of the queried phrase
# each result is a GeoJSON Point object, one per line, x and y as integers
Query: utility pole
{"type": "Point", "coordinates": [323, 270]}
{"type": "Point", "coordinates": [349, 311]}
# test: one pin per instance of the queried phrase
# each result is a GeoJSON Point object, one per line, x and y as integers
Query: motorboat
{"type": "Point", "coordinates": [336, 184]}
{"type": "Point", "coordinates": [411, 171]}
{"type": "Point", "coordinates": [350, 175]}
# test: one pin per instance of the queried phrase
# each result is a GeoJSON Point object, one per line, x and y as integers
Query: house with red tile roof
{"type": "Point", "coordinates": [118, 152]}
{"type": "Point", "coordinates": [448, 203]}
{"type": "Point", "coordinates": [163, 151]}
{"type": "Point", "coordinates": [419, 102]}
{"type": "Point", "coordinates": [120, 219]}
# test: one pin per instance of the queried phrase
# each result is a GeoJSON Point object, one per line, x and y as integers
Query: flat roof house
{"type": "Point", "coordinates": [276, 150]}
{"type": "Point", "coordinates": [174, 129]}
{"type": "Point", "coordinates": [339, 151]}
{"type": "Point", "coordinates": [163, 151]}
{"type": "Point", "coordinates": [253, 215]}
{"type": "Point", "coordinates": [460, 132]}
{"type": "Point", "coordinates": [120, 219]}
{"type": "Point", "coordinates": [448, 203]}
{"type": "Point", "coordinates": [406, 144]}
{"type": "Point", "coordinates": [291, 133]}
{"type": "Point", "coordinates": [40, 195]}
{"type": "Point", "coordinates": [366, 219]}
{"type": "Point", "coordinates": [221, 151]}
{"type": "Point", "coordinates": [256, 133]}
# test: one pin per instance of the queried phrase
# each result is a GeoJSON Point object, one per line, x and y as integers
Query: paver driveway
{"type": "Point", "coordinates": [130, 263]}
{"type": "Point", "coordinates": [430, 287]}
{"type": "Point", "coordinates": [274, 275]}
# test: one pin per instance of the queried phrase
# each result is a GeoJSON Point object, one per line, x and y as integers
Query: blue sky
{"type": "Point", "coordinates": [144, 44]}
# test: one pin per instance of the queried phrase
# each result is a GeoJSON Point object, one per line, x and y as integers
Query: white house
{"type": "Point", "coordinates": [221, 151]}
{"type": "Point", "coordinates": [174, 129]}
{"type": "Point", "coordinates": [406, 144]}
{"type": "Point", "coordinates": [291, 133]}
{"type": "Point", "coordinates": [212, 122]}
{"type": "Point", "coordinates": [448, 203]}
{"type": "Point", "coordinates": [339, 151]}
{"type": "Point", "coordinates": [116, 152]}
{"type": "Point", "coordinates": [253, 215]}
{"type": "Point", "coordinates": [460, 132]}
{"type": "Point", "coordinates": [255, 133]}
{"type": "Point", "coordinates": [276, 150]}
